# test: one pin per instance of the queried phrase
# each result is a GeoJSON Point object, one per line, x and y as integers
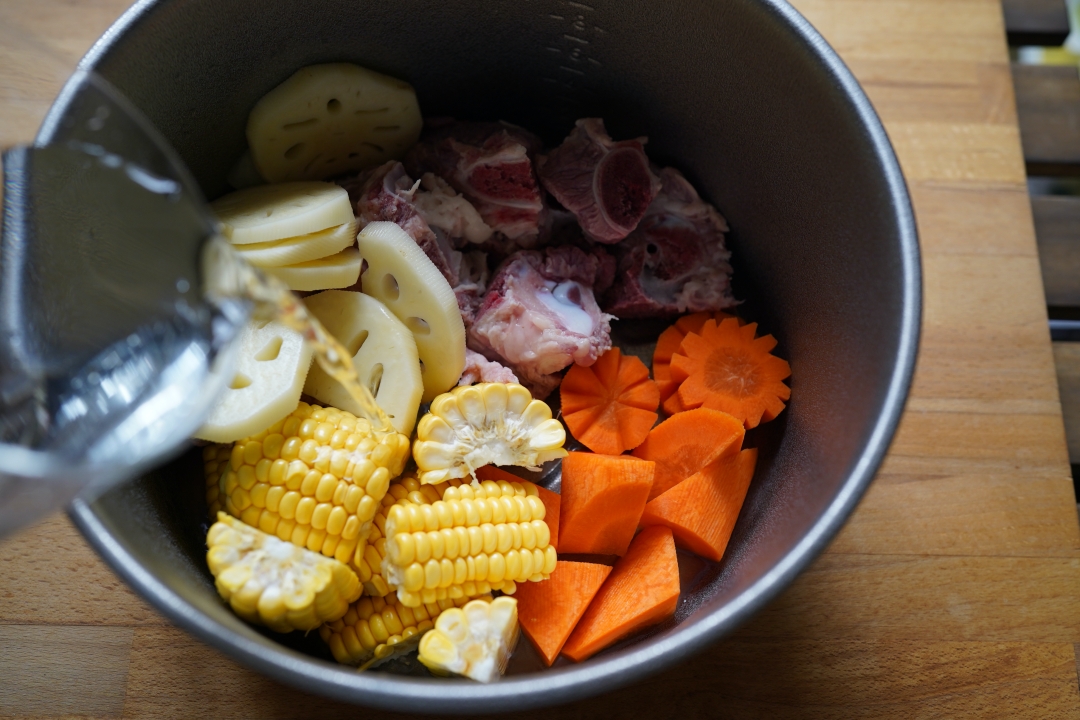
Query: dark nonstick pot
{"type": "Point", "coordinates": [743, 96]}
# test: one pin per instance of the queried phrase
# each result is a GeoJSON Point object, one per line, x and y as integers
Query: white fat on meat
{"type": "Point", "coordinates": [537, 322]}
{"type": "Point", "coordinates": [435, 218]}
{"type": "Point", "coordinates": [453, 214]}
{"type": "Point", "coordinates": [491, 164]}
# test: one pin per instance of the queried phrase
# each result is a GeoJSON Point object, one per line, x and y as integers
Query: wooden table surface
{"type": "Point", "coordinates": [953, 591]}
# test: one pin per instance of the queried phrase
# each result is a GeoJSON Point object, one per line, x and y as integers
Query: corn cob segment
{"type": "Point", "coordinates": [275, 583]}
{"type": "Point", "coordinates": [368, 564]}
{"type": "Point", "coordinates": [475, 540]}
{"type": "Point", "coordinates": [377, 629]}
{"type": "Point", "coordinates": [474, 641]}
{"type": "Point", "coordinates": [215, 460]}
{"type": "Point", "coordinates": [315, 479]}
{"type": "Point", "coordinates": [485, 424]}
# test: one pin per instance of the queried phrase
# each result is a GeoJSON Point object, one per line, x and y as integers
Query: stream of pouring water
{"type": "Point", "coordinates": [229, 274]}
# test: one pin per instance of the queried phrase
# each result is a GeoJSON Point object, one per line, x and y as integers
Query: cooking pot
{"type": "Point", "coordinates": [743, 96]}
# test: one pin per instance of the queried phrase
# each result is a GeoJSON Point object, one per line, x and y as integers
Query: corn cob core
{"type": "Point", "coordinates": [475, 641]}
{"type": "Point", "coordinates": [485, 424]}
{"type": "Point", "coordinates": [375, 629]}
{"type": "Point", "coordinates": [315, 479]}
{"type": "Point", "coordinates": [274, 583]}
{"type": "Point", "coordinates": [477, 539]}
{"type": "Point", "coordinates": [215, 460]}
{"type": "Point", "coordinates": [369, 565]}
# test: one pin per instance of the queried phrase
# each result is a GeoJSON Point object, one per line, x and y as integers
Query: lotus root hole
{"type": "Point", "coordinates": [271, 350]}
{"type": "Point", "coordinates": [419, 326]}
{"type": "Point", "coordinates": [357, 342]}
{"type": "Point", "coordinates": [390, 287]}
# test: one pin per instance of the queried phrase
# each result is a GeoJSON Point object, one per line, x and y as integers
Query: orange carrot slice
{"type": "Point", "coordinates": [602, 500]}
{"type": "Point", "coordinates": [611, 405]}
{"type": "Point", "coordinates": [668, 344]}
{"type": "Point", "coordinates": [551, 500]}
{"type": "Point", "coordinates": [642, 590]}
{"type": "Point", "coordinates": [726, 368]}
{"type": "Point", "coordinates": [701, 510]}
{"type": "Point", "coordinates": [685, 443]}
{"type": "Point", "coordinates": [673, 403]}
{"type": "Point", "coordinates": [549, 610]}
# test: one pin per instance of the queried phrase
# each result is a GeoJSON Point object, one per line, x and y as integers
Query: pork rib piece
{"type": "Point", "coordinates": [607, 185]}
{"type": "Point", "coordinates": [445, 210]}
{"type": "Point", "coordinates": [491, 164]}
{"type": "Point", "coordinates": [435, 217]}
{"type": "Point", "coordinates": [471, 269]}
{"type": "Point", "coordinates": [676, 261]}
{"type": "Point", "coordinates": [539, 316]}
{"type": "Point", "coordinates": [387, 193]}
{"type": "Point", "coordinates": [479, 369]}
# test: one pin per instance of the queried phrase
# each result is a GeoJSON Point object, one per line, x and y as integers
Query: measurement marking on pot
{"type": "Point", "coordinates": [574, 53]}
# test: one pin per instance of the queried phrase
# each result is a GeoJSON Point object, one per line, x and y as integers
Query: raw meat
{"type": "Point", "coordinates": [676, 261]}
{"type": "Point", "coordinates": [539, 316]}
{"type": "Point", "coordinates": [607, 185]}
{"type": "Point", "coordinates": [387, 194]}
{"type": "Point", "coordinates": [435, 217]}
{"type": "Point", "coordinates": [479, 369]}
{"type": "Point", "coordinates": [471, 270]}
{"type": "Point", "coordinates": [445, 210]}
{"type": "Point", "coordinates": [491, 164]}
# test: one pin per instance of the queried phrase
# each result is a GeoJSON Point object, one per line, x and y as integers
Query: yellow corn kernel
{"type": "Point", "coordinates": [430, 555]}
{"type": "Point", "coordinates": [485, 424]}
{"type": "Point", "coordinates": [272, 583]}
{"type": "Point", "coordinates": [376, 629]}
{"type": "Point", "coordinates": [216, 460]}
{"type": "Point", "coordinates": [292, 478]}
{"type": "Point", "coordinates": [475, 640]}
{"type": "Point", "coordinates": [404, 491]}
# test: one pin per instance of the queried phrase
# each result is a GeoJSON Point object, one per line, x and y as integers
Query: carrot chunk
{"type": "Point", "coordinates": [701, 511]}
{"type": "Point", "coordinates": [642, 590]}
{"type": "Point", "coordinates": [602, 500]}
{"type": "Point", "coordinates": [551, 500]}
{"type": "Point", "coordinates": [724, 367]}
{"type": "Point", "coordinates": [611, 405]}
{"type": "Point", "coordinates": [685, 443]}
{"type": "Point", "coordinates": [549, 610]}
{"type": "Point", "coordinates": [668, 344]}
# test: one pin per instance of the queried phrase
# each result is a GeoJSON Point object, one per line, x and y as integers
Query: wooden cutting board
{"type": "Point", "coordinates": [954, 590]}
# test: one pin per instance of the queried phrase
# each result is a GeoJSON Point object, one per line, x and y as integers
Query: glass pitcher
{"type": "Point", "coordinates": [115, 334]}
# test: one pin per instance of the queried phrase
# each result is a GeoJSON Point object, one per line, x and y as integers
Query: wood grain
{"type": "Point", "coordinates": [62, 559]}
{"type": "Point", "coordinates": [63, 670]}
{"type": "Point", "coordinates": [953, 591]}
{"type": "Point", "coordinates": [804, 679]}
